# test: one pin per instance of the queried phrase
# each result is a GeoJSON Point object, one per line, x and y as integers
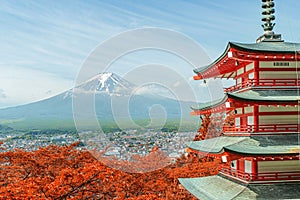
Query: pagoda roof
{"type": "Point", "coordinates": [209, 105]}
{"type": "Point", "coordinates": [218, 187]}
{"type": "Point", "coordinates": [271, 47]}
{"type": "Point", "coordinates": [267, 96]}
{"type": "Point", "coordinates": [214, 145]}
{"type": "Point", "coordinates": [252, 145]}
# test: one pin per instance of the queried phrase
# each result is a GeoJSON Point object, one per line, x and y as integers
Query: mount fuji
{"type": "Point", "coordinates": [108, 83]}
{"type": "Point", "coordinates": [106, 88]}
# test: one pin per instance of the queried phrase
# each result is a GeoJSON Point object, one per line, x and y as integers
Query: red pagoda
{"type": "Point", "coordinates": [260, 148]}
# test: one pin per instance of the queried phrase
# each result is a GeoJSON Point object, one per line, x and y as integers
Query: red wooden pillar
{"type": "Point", "coordinates": [256, 118]}
{"type": "Point", "coordinates": [241, 165]}
{"type": "Point", "coordinates": [256, 72]}
{"type": "Point", "coordinates": [255, 111]}
{"type": "Point", "coordinates": [254, 169]}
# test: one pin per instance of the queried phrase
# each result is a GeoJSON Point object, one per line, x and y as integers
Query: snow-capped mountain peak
{"type": "Point", "coordinates": [103, 78]}
{"type": "Point", "coordinates": [107, 82]}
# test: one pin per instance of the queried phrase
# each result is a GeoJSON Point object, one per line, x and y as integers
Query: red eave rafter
{"type": "Point", "coordinates": [229, 156]}
{"type": "Point", "coordinates": [238, 104]}
{"type": "Point", "coordinates": [217, 109]}
{"type": "Point", "coordinates": [235, 156]}
{"type": "Point", "coordinates": [228, 62]}
{"type": "Point", "coordinates": [271, 158]}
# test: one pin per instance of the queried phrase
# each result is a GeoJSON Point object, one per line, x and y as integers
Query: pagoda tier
{"type": "Point", "coordinates": [264, 64]}
{"type": "Point", "coordinates": [254, 159]}
{"type": "Point", "coordinates": [256, 112]}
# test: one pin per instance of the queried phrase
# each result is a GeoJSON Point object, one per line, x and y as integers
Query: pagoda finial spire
{"type": "Point", "coordinates": [268, 16]}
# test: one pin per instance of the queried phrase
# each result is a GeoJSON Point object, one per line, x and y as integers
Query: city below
{"type": "Point", "coordinates": [121, 145]}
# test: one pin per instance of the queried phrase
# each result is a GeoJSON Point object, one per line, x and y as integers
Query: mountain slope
{"type": "Point", "coordinates": [112, 99]}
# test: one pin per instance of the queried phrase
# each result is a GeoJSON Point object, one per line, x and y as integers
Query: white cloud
{"type": "Point", "coordinates": [152, 89]}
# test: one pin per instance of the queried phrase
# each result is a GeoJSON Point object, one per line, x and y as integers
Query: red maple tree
{"type": "Point", "coordinates": [64, 172]}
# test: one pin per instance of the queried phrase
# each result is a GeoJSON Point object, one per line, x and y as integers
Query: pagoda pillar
{"type": "Point", "coordinates": [241, 164]}
{"type": "Point", "coordinates": [256, 72]}
{"type": "Point", "coordinates": [254, 169]}
{"type": "Point", "coordinates": [256, 118]}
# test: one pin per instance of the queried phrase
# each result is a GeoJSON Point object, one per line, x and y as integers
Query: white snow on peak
{"type": "Point", "coordinates": [108, 83]}
{"type": "Point", "coordinates": [103, 78]}
{"type": "Point", "coordinates": [99, 76]}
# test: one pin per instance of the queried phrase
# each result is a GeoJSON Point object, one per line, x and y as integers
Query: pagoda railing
{"type": "Point", "coordinates": [265, 176]}
{"type": "Point", "coordinates": [263, 128]}
{"type": "Point", "coordinates": [264, 82]}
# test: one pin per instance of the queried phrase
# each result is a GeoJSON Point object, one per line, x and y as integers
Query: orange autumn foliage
{"type": "Point", "coordinates": [156, 159]}
{"type": "Point", "coordinates": [211, 126]}
{"type": "Point", "coordinates": [63, 172]}
{"type": "Point", "coordinates": [202, 131]}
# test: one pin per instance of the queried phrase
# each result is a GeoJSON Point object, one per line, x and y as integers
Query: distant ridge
{"type": "Point", "coordinates": [106, 86]}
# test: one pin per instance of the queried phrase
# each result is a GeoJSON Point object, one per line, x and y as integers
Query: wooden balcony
{"type": "Point", "coordinates": [263, 128]}
{"type": "Point", "coordinates": [260, 177]}
{"type": "Point", "coordinates": [264, 83]}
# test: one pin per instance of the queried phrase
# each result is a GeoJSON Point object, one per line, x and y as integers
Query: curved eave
{"type": "Point", "coordinates": [279, 97]}
{"type": "Point", "coordinates": [281, 101]}
{"type": "Point", "coordinates": [256, 153]}
{"type": "Point", "coordinates": [210, 105]}
{"type": "Point", "coordinates": [214, 145]}
{"type": "Point", "coordinates": [224, 64]}
{"type": "Point", "coordinates": [255, 146]}
{"type": "Point", "coordinates": [263, 97]}
{"type": "Point", "coordinates": [203, 69]}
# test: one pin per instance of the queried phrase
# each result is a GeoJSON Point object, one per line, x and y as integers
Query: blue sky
{"type": "Point", "coordinates": [44, 42]}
